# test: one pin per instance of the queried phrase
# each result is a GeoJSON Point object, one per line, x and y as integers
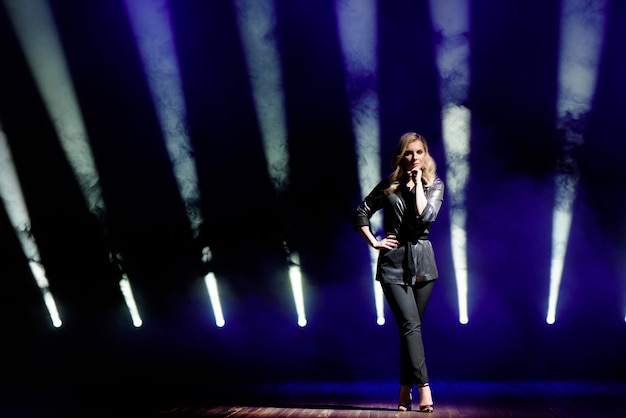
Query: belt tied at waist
{"type": "Point", "coordinates": [403, 242]}
{"type": "Point", "coordinates": [408, 262]}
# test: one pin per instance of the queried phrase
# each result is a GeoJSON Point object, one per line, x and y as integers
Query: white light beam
{"type": "Point", "coordinates": [38, 36]}
{"type": "Point", "coordinates": [450, 21]}
{"type": "Point", "coordinates": [257, 27]}
{"type": "Point", "coordinates": [13, 199]}
{"type": "Point", "coordinates": [151, 24]}
{"type": "Point", "coordinates": [152, 28]}
{"type": "Point", "coordinates": [581, 39]}
{"type": "Point", "coordinates": [358, 31]}
{"type": "Point", "coordinates": [40, 42]}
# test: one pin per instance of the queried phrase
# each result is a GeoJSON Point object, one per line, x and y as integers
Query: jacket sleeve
{"type": "Point", "coordinates": [370, 205]}
{"type": "Point", "coordinates": [434, 196]}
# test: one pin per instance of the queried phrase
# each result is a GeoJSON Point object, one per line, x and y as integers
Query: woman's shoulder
{"type": "Point", "coordinates": [384, 182]}
{"type": "Point", "coordinates": [381, 187]}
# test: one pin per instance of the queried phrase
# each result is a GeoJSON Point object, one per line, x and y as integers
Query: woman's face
{"type": "Point", "coordinates": [413, 158]}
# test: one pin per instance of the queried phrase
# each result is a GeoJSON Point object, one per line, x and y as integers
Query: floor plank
{"type": "Point", "coordinates": [452, 399]}
{"type": "Point", "coordinates": [319, 399]}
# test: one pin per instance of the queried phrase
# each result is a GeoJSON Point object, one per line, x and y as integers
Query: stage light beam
{"type": "Point", "coordinates": [257, 28]}
{"type": "Point", "coordinates": [295, 276]}
{"type": "Point", "coordinates": [581, 41]}
{"type": "Point", "coordinates": [38, 37]}
{"type": "Point", "coordinates": [13, 200]}
{"type": "Point", "coordinates": [456, 121]}
{"type": "Point", "coordinates": [37, 34]}
{"type": "Point", "coordinates": [357, 27]}
{"type": "Point", "coordinates": [450, 22]}
{"type": "Point", "coordinates": [210, 282]}
{"type": "Point", "coordinates": [127, 292]}
{"type": "Point", "coordinates": [152, 28]}
{"type": "Point", "coordinates": [256, 20]}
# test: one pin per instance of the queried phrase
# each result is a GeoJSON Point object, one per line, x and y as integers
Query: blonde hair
{"type": "Point", "coordinates": [429, 170]}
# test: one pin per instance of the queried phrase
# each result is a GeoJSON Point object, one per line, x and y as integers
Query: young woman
{"type": "Point", "coordinates": [410, 199]}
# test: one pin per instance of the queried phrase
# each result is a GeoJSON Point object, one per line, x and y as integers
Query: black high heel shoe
{"type": "Point", "coordinates": [427, 408]}
{"type": "Point", "coordinates": [404, 407]}
{"type": "Point", "coordinates": [404, 404]}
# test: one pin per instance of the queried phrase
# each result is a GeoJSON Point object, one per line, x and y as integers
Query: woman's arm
{"type": "Point", "coordinates": [420, 196]}
{"type": "Point", "coordinates": [389, 242]}
{"type": "Point", "coordinates": [361, 221]}
{"type": "Point", "coordinates": [428, 206]}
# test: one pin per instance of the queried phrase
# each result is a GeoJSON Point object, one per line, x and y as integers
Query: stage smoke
{"type": "Point", "coordinates": [450, 24]}
{"type": "Point", "coordinates": [357, 24]}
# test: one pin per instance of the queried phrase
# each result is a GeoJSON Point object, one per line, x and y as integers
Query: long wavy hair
{"type": "Point", "coordinates": [429, 170]}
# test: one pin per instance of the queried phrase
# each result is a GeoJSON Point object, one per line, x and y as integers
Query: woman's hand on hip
{"type": "Point", "coordinates": [389, 242]}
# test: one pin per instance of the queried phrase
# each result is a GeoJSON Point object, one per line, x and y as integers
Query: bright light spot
{"type": "Point", "coordinates": [582, 37]}
{"type": "Point", "coordinates": [459, 257]}
{"type": "Point", "coordinates": [257, 27]}
{"type": "Point", "coordinates": [379, 297]}
{"type": "Point", "coordinates": [561, 224]}
{"type": "Point", "coordinates": [295, 277]}
{"type": "Point", "coordinates": [41, 279]}
{"type": "Point", "coordinates": [52, 308]}
{"type": "Point", "coordinates": [211, 285]}
{"type": "Point", "coordinates": [358, 31]}
{"type": "Point", "coordinates": [127, 291]}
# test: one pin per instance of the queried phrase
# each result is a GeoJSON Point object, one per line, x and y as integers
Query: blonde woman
{"type": "Point", "coordinates": [410, 199]}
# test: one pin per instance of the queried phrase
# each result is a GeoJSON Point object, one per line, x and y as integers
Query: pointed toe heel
{"type": "Point", "coordinates": [429, 409]}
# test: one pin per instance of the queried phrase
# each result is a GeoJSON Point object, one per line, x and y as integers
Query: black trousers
{"type": "Point", "coordinates": [408, 304]}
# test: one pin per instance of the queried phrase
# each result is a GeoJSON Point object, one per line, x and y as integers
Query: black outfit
{"type": "Point", "coordinates": [406, 273]}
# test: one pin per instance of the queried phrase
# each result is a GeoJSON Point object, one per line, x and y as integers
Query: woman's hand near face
{"type": "Point", "coordinates": [415, 176]}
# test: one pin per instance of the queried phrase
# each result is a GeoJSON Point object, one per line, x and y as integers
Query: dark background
{"type": "Point", "coordinates": [514, 151]}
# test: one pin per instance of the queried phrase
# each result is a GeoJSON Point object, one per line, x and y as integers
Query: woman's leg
{"type": "Point", "coordinates": [422, 291]}
{"type": "Point", "coordinates": [408, 304]}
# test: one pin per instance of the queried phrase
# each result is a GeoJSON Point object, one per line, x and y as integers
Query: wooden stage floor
{"type": "Point", "coordinates": [299, 400]}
